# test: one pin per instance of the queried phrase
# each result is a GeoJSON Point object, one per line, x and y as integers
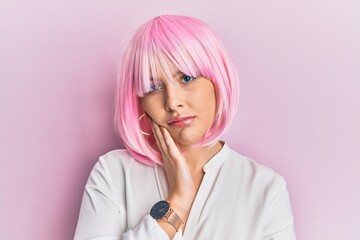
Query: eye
{"type": "Point", "coordinates": [186, 78]}
{"type": "Point", "coordinates": [155, 87]}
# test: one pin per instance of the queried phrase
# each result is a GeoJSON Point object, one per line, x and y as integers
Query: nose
{"type": "Point", "coordinates": [173, 98]}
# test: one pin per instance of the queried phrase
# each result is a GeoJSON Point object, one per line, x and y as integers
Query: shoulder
{"type": "Point", "coordinates": [115, 170]}
{"type": "Point", "coordinates": [252, 172]}
{"type": "Point", "coordinates": [259, 183]}
{"type": "Point", "coordinates": [118, 158]}
{"type": "Point", "coordinates": [116, 164]}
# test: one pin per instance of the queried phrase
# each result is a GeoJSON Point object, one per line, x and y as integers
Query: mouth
{"type": "Point", "coordinates": [180, 122]}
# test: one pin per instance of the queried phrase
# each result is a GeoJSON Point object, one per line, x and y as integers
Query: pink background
{"type": "Point", "coordinates": [299, 63]}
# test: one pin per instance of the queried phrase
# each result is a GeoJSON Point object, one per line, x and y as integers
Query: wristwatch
{"type": "Point", "coordinates": [162, 211]}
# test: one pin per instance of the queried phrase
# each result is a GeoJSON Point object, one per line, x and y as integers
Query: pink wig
{"type": "Point", "coordinates": [193, 48]}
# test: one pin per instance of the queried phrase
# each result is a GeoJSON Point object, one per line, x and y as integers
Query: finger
{"type": "Point", "coordinates": [154, 133]}
{"type": "Point", "coordinates": [157, 134]}
{"type": "Point", "coordinates": [172, 148]}
{"type": "Point", "coordinates": [160, 141]}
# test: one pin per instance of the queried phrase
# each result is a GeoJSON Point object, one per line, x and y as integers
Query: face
{"type": "Point", "coordinates": [185, 105]}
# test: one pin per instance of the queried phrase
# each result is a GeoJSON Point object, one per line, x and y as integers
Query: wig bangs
{"type": "Point", "coordinates": [168, 47]}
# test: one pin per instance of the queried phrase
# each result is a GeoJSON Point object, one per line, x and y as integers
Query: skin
{"type": "Point", "coordinates": [183, 163]}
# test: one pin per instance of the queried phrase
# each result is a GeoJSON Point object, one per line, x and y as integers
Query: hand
{"type": "Point", "coordinates": [181, 185]}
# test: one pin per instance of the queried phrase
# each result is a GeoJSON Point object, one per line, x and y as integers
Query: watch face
{"type": "Point", "coordinates": [160, 209]}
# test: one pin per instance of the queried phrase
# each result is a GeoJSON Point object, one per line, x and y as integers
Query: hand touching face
{"type": "Point", "coordinates": [181, 186]}
{"type": "Point", "coordinates": [185, 106]}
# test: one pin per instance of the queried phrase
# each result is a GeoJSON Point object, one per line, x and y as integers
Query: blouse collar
{"type": "Point", "coordinates": [218, 159]}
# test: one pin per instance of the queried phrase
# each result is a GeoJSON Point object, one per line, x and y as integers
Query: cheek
{"type": "Point", "coordinates": [208, 102]}
{"type": "Point", "coordinates": [152, 106]}
{"type": "Point", "coordinates": [210, 111]}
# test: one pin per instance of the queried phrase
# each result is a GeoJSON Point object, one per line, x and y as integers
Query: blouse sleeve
{"type": "Point", "coordinates": [279, 224]}
{"type": "Point", "coordinates": [103, 216]}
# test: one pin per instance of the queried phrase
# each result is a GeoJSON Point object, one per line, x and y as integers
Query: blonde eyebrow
{"type": "Point", "coordinates": [177, 74]}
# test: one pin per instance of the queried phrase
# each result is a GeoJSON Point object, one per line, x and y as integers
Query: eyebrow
{"type": "Point", "coordinates": [178, 72]}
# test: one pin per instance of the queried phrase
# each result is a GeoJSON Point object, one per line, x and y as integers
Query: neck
{"type": "Point", "coordinates": [197, 157]}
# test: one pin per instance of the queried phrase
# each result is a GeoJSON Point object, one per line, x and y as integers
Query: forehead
{"type": "Point", "coordinates": [163, 69]}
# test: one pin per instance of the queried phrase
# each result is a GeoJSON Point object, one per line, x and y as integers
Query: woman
{"type": "Point", "coordinates": [177, 93]}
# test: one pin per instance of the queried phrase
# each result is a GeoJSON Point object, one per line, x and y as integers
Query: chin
{"type": "Point", "coordinates": [188, 136]}
{"type": "Point", "coordinates": [187, 140]}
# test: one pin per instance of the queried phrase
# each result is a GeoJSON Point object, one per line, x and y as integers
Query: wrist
{"type": "Point", "coordinates": [164, 211]}
{"type": "Point", "coordinates": [181, 208]}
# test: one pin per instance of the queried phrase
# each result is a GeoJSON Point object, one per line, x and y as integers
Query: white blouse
{"type": "Point", "coordinates": [238, 199]}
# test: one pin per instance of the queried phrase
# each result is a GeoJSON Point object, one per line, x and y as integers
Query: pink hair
{"type": "Point", "coordinates": [195, 50]}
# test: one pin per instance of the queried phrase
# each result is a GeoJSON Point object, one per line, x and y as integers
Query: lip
{"type": "Point", "coordinates": [181, 121]}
